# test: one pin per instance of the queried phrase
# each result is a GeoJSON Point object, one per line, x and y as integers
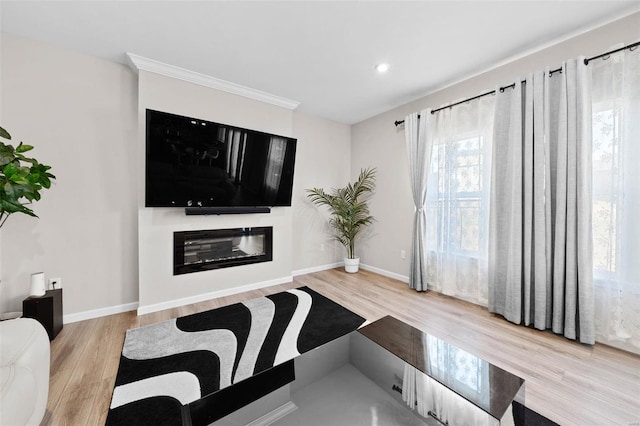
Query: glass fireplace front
{"type": "Point", "coordinates": [195, 251]}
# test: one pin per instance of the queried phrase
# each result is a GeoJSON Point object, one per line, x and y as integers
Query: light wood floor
{"type": "Point", "coordinates": [569, 383]}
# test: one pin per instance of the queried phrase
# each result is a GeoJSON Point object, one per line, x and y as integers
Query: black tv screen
{"type": "Point", "coordinates": [197, 163]}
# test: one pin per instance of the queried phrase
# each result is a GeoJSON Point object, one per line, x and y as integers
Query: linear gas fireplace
{"type": "Point", "coordinates": [195, 251]}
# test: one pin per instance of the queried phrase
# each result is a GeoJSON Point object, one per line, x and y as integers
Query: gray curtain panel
{"type": "Point", "coordinates": [419, 151]}
{"type": "Point", "coordinates": [540, 238]}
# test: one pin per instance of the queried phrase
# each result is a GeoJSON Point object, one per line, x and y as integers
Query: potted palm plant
{"type": "Point", "coordinates": [21, 179]}
{"type": "Point", "coordinates": [349, 212]}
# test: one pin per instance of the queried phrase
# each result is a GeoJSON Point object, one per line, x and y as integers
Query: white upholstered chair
{"type": "Point", "coordinates": [24, 372]}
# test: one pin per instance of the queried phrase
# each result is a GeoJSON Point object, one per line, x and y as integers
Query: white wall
{"type": "Point", "coordinates": [323, 160]}
{"type": "Point", "coordinates": [80, 114]}
{"type": "Point", "coordinates": [377, 142]}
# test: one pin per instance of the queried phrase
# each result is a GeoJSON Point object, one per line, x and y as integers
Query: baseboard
{"type": "Point", "coordinates": [147, 309]}
{"type": "Point", "coordinates": [97, 313]}
{"type": "Point", "coordinates": [141, 310]}
{"type": "Point", "coordinates": [386, 273]}
{"type": "Point", "coordinates": [366, 267]}
{"type": "Point", "coordinates": [275, 415]}
{"type": "Point", "coordinates": [316, 269]}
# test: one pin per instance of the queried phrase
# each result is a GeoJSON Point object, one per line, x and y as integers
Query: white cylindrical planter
{"type": "Point", "coordinates": [351, 265]}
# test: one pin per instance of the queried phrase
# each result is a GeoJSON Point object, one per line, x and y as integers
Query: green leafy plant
{"type": "Point", "coordinates": [21, 179]}
{"type": "Point", "coordinates": [348, 208]}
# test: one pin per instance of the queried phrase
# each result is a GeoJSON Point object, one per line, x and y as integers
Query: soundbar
{"type": "Point", "coordinates": [190, 211]}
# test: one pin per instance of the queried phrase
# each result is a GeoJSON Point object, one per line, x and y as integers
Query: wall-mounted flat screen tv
{"type": "Point", "coordinates": [198, 163]}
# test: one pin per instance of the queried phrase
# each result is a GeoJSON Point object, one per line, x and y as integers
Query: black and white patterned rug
{"type": "Point", "coordinates": [167, 365]}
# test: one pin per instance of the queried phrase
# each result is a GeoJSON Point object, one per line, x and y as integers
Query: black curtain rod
{"type": "Point", "coordinates": [586, 62]}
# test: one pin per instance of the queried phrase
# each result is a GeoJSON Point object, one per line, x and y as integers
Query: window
{"type": "Point", "coordinates": [458, 168]}
{"type": "Point", "coordinates": [616, 198]}
{"type": "Point", "coordinates": [458, 200]}
{"type": "Point", "coordinates": [606, 164]}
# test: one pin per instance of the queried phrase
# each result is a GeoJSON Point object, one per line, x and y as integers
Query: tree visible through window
{"type": "Point", "coordinates": [459, 197]}
{"type": "Point", "coordinates": [606, 161]}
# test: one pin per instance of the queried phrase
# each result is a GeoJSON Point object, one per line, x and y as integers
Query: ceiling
{"type": "Point", "coordinates": [319, 53]}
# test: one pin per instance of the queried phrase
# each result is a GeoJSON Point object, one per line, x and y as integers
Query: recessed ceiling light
{"type": "Point", "coordinates": [382, 68]}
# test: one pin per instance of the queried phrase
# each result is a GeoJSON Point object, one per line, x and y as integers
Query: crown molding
{"type": "Point", "coordinates": [137, 63]}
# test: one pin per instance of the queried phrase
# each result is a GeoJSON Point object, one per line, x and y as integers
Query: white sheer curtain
{"type": "Point", "coordinates": [540, 267]}
{"type": "Point", "coordinates": [457, 214]}
{"type": "Point", "coordinates": [616, 198]}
